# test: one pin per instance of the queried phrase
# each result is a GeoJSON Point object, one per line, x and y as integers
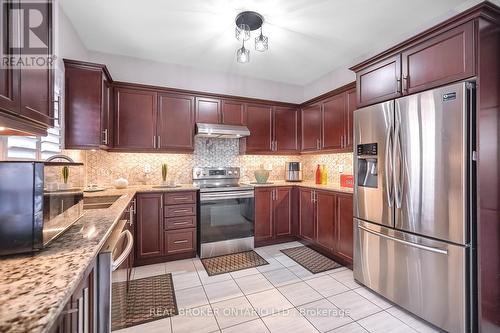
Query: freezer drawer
{"type": "Point", "coordinates": [427, 277]}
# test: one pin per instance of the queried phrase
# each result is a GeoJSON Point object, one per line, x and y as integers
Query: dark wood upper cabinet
{"type": "Point", "coordinates": [135, 119]}
{"type": "Point", "coordinates": [26, 91]}
{"type": "Point", "coordinates": [264, 228]}
{"type": "Point", "coordinates": [283, 211]}
{"type": "Point", "coordinates": [208, 110]}
{"type": "Point", "coordinates": [149, 228]}
{"type": "Point", "coordinates": [260, 124]}
{"type": "Point", "coordinates": [333, 114]}
{"type": "Point", "coordinates": [444, 58]}
{"type": "Point", "coordinates": [380, 81]}
{"type": "Point", "coordinates": [286, 130]}
{"type": "Point", "coordinates": [351, 100]}
{"type": "Point", "coordinates": [175, 122]}
{"type": "Point", "coordinates": [306, 214]}
{"type": "Point", "coordinates": [325, 219]}
{"type": "Point", "coordinates": [9, 77]}
{"type": "Point", "coordinates": [311, 127]}
{"type": "Point", "coordinates": [88, 105]}
{"type": "Point", "coordinates": [344, 226]}
{"type": "Point", "coordinates": [233, 112]}
{"type": "Point", "coordinates": [37, 91]}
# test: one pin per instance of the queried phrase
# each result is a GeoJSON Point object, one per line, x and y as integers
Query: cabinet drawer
{"type": "Point", "coordinates": [180, 210]}
{"type": "Point", "coordinates": [178, 241]}
{"type": "Point", "coordinates": [180, 222]}
{"type": "Point", "coordinates": [180, 198]}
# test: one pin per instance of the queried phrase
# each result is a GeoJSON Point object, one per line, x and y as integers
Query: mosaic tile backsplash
{"type": "Point", "coordinates": [145, 169]}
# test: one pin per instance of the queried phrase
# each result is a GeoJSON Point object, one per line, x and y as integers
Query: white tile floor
{"type": "Point", "coordinates": [281, 297]}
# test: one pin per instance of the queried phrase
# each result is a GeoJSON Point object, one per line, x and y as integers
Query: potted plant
{"type": "Point", "coordinates": [65, 176]}
{"type": "Point", "coordinates": [164, 172]}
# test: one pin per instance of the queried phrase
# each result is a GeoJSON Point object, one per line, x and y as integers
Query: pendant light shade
{"type": "Point", "coordinates": [242, 32]}
{"type": "Point", "coordinates": [261, 42]}
{"type": "Point", "coordinates": [243, 55]}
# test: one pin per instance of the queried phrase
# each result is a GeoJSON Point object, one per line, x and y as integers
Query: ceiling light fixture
{"type": "Point", "coordinates": [246, 22]}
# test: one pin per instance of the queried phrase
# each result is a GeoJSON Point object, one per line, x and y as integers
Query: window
{"type": "Point", "coordinates": [37, 148]}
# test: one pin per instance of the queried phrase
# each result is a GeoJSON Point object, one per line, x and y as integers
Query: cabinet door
{"type": "Point", "coordinates": [264, 214]}
{"type": "Point", "coordinates": [326, 219]}
{"type": "Point", "coordinates": [344, 239]}
{"type": "Point", "coordinates": [208, 110]}
{"type": "Point", "coordinates": [37, 84]}
{"type": "Point", "coordinates": [445, 58]}
{"type": "Point", "coordinates": [135, 119]}
{"type": "Point", "coordinates": [306, 214]}
{"type": "Point", "coordinates": [311, 127]}
{"type": "Point", "coordinates": [333, 122]}
{"type": "Point", "coordinates": [233, 113]}
{"type": "Point", "coordinates": [149, 226]}
{"type": "Point", "coordinates": [83, 107]}
{"type": "Point", "coordinates": [379, 82]}
{"type": "Point", "coordinates": [351, 101]}
{"type": "Point", "coordinates": [286, 130]}
{"type": "Point", "coordinates": [282, 211]}
{"type": "Point", "coordinates": [106, 114]}
{"type": "Point", "coordinates": [176, 122]}
{"type": "Point", "coordinates": [259, 122]}
{"type": "Point", "coordinates": [9, 77]}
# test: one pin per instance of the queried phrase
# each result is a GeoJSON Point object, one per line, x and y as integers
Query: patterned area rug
{"type": "Point", "coordinates": [311, 260]}
{"type": "Point", "coordinates": [232, 262]}
{"type": "Point", "coordinates": [148, 299]}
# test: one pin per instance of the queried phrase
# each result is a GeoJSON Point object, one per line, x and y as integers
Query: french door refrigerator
{"type": "Point", "coordinates": [414, 203]}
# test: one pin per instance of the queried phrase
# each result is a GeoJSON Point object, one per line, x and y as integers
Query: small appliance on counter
{"type": "Point", "coordinates": [293, 172]}
{"type": "Point", "coordinates": [31, 216]}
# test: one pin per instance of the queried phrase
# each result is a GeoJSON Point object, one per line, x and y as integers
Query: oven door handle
{"type": "Point", "coordinates": [126, 252]}
{"type": "Point", "coordinates": [226, 195]}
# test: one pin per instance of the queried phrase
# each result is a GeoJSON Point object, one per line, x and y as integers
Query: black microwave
{"type": "Point", "coordinates": [32, 216]}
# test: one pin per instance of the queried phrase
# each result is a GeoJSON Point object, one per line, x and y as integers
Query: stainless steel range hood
{"type": "Point", "coordinates": [221, 131]}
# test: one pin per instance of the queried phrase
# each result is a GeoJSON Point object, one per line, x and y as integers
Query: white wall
{"type": "Point", "coordinates": [123, 68]}
{"type": "Point", "coordinates": [328, 82]}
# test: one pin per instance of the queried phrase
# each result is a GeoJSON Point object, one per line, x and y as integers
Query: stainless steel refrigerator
{"type": "Point", "coordinates": [414, 200]}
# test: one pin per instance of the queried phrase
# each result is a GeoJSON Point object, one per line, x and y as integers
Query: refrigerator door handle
{"type": "Point", "coordinates": [389, 161]}
{"type": "Point", "coordinates": [398, 174]}
{"type": "Point", "coordinates": [419, 246]}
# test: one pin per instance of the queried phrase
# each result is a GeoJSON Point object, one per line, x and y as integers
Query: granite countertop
{"type": "Point", "coordinates": [307, 184]}
{"type": "Point", "coordinates": [34, 288]}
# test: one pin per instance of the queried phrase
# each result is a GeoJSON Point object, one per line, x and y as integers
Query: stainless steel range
{"type": "Point", "coordinates": [226, 212]}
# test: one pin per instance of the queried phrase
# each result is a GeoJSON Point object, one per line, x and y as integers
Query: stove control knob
{"type": "Point", "coordinates": [235, 172]}
{"type": "Point", "coordinates": [229, 172]}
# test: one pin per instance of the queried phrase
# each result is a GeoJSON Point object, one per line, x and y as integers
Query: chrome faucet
{"type": "Point", "coordinates": [63, 157]}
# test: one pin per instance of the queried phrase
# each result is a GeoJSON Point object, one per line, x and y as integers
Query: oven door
{"type": "Point", "coordinates": [226, 222]}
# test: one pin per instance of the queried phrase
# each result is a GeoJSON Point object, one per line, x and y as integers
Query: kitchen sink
{"type": "Point", "coordinates": [100, 202]}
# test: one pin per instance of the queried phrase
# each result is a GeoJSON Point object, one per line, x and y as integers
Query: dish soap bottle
{"type": "Point", "coordinates": [318, 174]}
{"type": "Point", "coordinates": [324, 175]}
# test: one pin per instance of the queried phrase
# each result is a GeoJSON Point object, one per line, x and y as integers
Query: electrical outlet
{"type": "Point", "coordinates": [341, 168]}
{"type": "Point", "coordinates": [147, 168]}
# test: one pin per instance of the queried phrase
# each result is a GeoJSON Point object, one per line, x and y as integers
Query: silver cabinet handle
{"type": "Point", "coordinates": [181, 198]}
{"type": "Point", "coordinates": [182, 210]}
{"type": "Point", "coordinates": [419, 246]}
{"type": "Point", "coordinates": [105, 134]}
{"type": "Point", "coordinates": [159, 142]}
{"type": "Point", "coordinates": [405, 83]}
{"type": "Point", "coordinates": [181, 241]}
{"type": "Point", "coordinates": [179, 223]}
{"type": "Point", "coordinates": [398, 85]}
{"type": "Point", "coordinates": [154, 141]}
{"type": "Point", "coordinates": [86, 308]}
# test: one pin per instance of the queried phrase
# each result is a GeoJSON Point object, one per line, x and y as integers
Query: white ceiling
{"type": "Point", "coordinates": [307, 38]}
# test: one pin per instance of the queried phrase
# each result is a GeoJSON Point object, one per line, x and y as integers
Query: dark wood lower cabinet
{"type": "Point", "coordinates": [274, 215]}
{"type": "Point", "coordinates": [325, 222]}
{"type": "Point", "coordinates": [325, 219]}
{"type": "Point", "coordinates": [78, 314]}
{"type": "Point", "coordinates": [306, 214]}
{"type": "Point", "coordinates": [165, 230]}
